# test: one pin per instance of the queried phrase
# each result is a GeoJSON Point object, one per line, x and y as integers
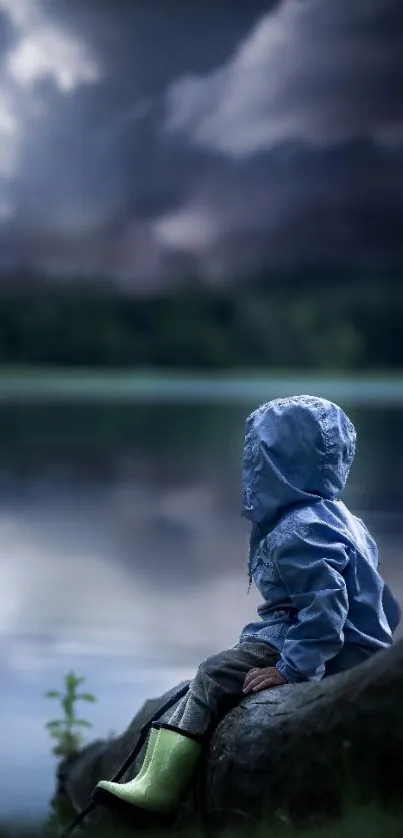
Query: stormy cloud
{"type": "Point", "coordinates": [142, 143]}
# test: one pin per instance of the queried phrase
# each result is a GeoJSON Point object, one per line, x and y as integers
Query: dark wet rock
{"type": "Point", "coordinates": [290, 752]}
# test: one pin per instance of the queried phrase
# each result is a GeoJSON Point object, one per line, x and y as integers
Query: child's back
{"type": "Point", "coordinates": [326, 606]}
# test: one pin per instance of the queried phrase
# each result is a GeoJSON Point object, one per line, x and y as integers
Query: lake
{"type": "Point", "coordinates": [124, 555]}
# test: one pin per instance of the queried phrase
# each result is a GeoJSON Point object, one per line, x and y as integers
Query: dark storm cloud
{"type": "Point", "coordinates": [314, 71]}
{"type": "Point", "coordinates": [221, 138]}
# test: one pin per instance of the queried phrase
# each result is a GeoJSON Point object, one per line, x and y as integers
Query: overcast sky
{"type": "Point", "coordinates": [141, 140]}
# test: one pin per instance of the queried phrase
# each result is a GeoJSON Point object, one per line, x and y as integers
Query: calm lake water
{"type": "Point", "coordinates": [124, 556]}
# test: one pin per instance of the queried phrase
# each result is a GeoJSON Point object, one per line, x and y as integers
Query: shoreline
{"type": "Point", "coordinates": [128, 385]}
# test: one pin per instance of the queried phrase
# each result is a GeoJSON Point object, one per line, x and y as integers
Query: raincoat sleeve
{"type": "Point", "coordinates": [311, 566]}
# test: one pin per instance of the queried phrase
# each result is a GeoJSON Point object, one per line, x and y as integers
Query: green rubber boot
{"type": "Point", "coordinates": [154, 731]}
{"type": "Point", "coordinates": [161, 787]}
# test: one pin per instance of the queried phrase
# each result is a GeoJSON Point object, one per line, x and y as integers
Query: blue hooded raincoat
{"type": "Point", "coordinates": [326, 607]}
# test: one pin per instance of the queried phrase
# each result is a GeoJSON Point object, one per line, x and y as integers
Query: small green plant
{"type": "Point", "coordinates": [67, 731]}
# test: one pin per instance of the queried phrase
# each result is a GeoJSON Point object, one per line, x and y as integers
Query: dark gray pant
{"type": "Point", "coordinates": [217, 686]}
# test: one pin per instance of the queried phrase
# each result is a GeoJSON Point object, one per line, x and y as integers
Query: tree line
{"type": "Point", "coordinates": [333, 324]}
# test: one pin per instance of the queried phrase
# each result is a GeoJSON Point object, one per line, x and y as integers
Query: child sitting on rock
{"type": "Point", "coordinates": [326, 608]}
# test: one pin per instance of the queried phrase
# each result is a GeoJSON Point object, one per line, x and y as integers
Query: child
{"type": "Point", "coordinates": [326, 608]}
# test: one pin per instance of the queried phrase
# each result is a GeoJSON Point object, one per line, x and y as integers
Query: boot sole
{"type": "Point", "coordinates": [135, 815]}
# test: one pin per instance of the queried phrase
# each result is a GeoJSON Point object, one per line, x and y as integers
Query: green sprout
{"type": "Point", "coordinates": [67, 731]}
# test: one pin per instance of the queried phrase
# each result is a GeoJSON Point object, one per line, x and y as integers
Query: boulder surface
{"type": "Point", "coordinates": [293, 751]}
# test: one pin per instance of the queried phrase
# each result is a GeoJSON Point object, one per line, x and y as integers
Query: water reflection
{"type": "Point", "coordinates": [124, 556]}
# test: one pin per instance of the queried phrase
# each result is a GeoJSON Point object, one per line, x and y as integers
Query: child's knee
{"type": "Point", "coordinates": [209, 667]}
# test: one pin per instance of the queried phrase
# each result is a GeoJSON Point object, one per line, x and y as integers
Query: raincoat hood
{"type": "Point", "coordinates": [297, 450]}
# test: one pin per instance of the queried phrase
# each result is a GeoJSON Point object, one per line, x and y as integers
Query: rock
{"type": "Point", "coordinates": [290, 752]}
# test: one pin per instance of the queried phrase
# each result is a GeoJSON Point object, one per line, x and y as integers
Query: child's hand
{"type": "Point", "coordinates": [261, 679]}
